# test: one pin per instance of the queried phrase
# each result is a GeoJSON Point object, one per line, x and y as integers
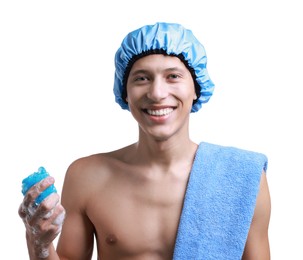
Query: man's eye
{"type": "Point", "coordinates": [174, 76]}
{"type": "Point", "coordinates": [140, 78]}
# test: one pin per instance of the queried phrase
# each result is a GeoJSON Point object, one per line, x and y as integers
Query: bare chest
{"type": "Point", "coordinates": [138, 220]}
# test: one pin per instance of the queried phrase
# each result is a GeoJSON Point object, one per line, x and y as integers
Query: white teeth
{"type": "Point", "coordinates": [159, 112]}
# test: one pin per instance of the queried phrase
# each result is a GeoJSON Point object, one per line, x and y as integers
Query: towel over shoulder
{"type": "Point", "coordinates": [219, 203]}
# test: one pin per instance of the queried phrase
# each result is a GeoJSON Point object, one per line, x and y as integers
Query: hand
{"type": "Point", "coordinates": [43, 222]}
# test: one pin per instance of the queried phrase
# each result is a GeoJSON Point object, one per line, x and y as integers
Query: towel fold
{"type": "Point", "coordinates": [219, 203]}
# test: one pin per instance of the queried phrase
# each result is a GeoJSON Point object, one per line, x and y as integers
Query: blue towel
{"type": "Point", "coordinates": [219, 203]}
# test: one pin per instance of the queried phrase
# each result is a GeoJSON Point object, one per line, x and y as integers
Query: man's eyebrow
{"type": "Point", "coordinates": [175, 69]}
{"type": "Point", "coordinates": [139, 71]}
{"type": "Point", "coordinates": [144, 71]}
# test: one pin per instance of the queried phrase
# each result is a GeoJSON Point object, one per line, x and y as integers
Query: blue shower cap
{"type": "Point", "coordinates": [163, 38]}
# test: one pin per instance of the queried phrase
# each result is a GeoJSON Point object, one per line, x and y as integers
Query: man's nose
{"type": "Point", "coordinates": [158, 90]}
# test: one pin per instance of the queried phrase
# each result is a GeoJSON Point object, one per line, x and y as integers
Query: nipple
{"type": "Point", "coordinates": [111, 239]}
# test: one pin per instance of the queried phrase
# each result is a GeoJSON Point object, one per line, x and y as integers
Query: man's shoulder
{"type": "Point", "coordinates": [229, 150]}
{"type": "Point", "coordinates": [234, 155]}
{"type": "Point", "coordinates": [98, 161]}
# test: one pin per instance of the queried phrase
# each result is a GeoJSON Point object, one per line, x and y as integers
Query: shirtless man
{"type": "Point", "coordinates": [131, 199]}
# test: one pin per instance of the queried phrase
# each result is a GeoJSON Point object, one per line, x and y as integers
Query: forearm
{"type": "Point", "coordinates": [37, 251]}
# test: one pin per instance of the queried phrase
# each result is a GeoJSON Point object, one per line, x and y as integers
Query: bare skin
{"type": "Point", "coordinates": [131, 199]}
{"type": "Point", "coordinates": [257, 244]}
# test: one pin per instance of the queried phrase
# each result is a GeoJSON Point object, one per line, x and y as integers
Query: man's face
{"type": "Point", "coordinates": [160, 94]}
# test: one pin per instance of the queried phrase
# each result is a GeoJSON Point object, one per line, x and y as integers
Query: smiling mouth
{"type": "Point", "coordinates": [159, 112]}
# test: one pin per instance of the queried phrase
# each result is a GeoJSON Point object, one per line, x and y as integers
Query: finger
{"type": "Point", "coordinates": [45, 209]}
{"type": "Point", "coordinates": [48, 205]}
{"type": "Point", "coordinates": [48, 229]}
{"type": "Point", "coordinates": [58, 221]}
{"type": "Point", "coordinates": [27, 212]}
{"type": "Point", "coordinates": [58, 217]}
{"type": "Point", "coordinates": [35, 191]}
{"type": "Point", "coordinates": [22, 211]}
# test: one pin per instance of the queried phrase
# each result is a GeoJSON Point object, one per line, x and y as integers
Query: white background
{"type": "Point", "coordinates": [56, 100]}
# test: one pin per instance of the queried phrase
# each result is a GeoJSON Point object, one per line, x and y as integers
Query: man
{"type": "Point", "coordinates": [163, 197]}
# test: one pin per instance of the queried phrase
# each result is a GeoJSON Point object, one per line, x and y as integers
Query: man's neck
{"type": "Point", "coordinates": [165, 152]}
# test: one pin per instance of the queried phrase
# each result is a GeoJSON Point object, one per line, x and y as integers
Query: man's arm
{"type": "Point", "coordinates": [43, 226]}
{"type": "Point", "coordinates": [257, 244]}
{"type": "Point", "coordinates": [77, 236]}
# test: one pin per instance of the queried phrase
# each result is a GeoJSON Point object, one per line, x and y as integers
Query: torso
{"type": "Point", "coordinates": [135, 210]}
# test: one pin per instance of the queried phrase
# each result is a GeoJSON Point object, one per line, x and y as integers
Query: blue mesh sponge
{"type": "Point", "coordinates": [171, 38]}
{"type": "Point", "coordinates": [34, 178]}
